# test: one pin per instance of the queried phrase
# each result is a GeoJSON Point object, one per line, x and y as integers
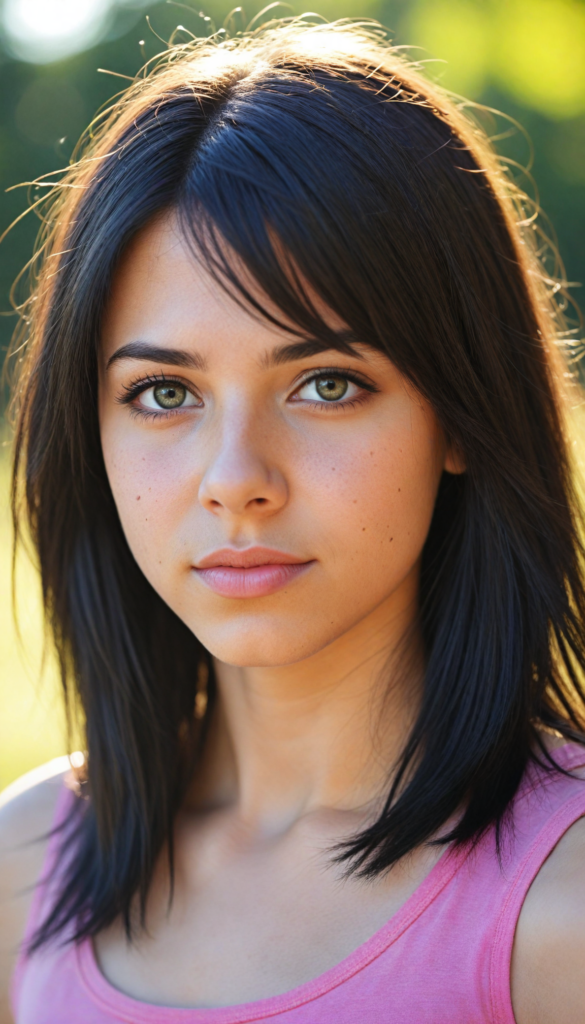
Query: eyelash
{"type": "Point", "coordinates": [337, 371]}
{"type": "Point", "coordinates": [137, 387]}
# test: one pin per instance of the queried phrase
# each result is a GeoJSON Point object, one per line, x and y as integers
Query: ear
{"type": "Point", "coordinates": [454, 460]}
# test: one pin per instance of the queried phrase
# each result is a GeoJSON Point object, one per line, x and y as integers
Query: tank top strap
{"type": "Point", "coordinates": [444, 956]}
{"type": "Point", "coordinates": [39, 902]}
{"type": "Point", "coordinates": [545, 808]}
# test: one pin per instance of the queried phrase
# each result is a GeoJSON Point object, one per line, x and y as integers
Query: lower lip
{"type": "Point", "coordinates": [257, 581]}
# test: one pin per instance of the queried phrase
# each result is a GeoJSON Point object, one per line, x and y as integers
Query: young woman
{"type": "Point", "coordinates": [290, 444]}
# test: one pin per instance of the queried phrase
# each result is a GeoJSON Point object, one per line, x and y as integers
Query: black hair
{"type": "Point", "coordinates": [316, 154]}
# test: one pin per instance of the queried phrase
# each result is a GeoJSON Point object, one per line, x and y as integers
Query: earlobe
{"type": "Point", "coordinates": [454, 460]}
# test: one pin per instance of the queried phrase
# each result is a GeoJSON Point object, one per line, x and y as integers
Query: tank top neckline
{"type": "Point", "coordinates": [135, 1011]}
{"type": "Point", "coordinates": [116, 1001]}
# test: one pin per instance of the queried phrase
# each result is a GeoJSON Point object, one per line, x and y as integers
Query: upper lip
{"type": "Point", "coordinates": [248, 558]}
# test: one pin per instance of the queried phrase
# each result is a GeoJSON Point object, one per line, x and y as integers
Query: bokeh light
{"type": "Point", "coordinates": [41, 30]}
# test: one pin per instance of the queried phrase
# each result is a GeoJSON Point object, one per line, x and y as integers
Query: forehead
{"type": "Point", "coordinates": [163, 297]}
{"type": "Point", "coordinates": [160, 290]}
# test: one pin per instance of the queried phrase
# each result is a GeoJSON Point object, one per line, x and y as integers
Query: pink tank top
{"type": "Point", "coordinates": [443, 957]}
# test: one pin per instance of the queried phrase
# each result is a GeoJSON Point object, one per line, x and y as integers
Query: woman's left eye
{"type": "Point", "coordinates": [330, 387]}
{"type": "Point", "coordinates": [166, 396]}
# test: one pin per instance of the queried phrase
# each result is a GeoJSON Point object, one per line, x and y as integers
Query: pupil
{"type": "Point", "coordinates": [169, 396]}
{"type": "Point", "coordinates": [332, 388]}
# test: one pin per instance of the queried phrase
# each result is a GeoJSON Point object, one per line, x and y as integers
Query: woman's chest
{"type": "Point", "coordinates": [253, 926]}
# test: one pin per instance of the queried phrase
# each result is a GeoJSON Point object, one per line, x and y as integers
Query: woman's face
{"type": "Point", "coordinates": [273, 499]}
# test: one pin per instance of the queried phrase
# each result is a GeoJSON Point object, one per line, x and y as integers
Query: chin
{"type": "Point", "coordinates": [259, 644]}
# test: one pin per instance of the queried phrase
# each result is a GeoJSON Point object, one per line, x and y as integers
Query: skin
{"type": "Point", "coordinates": [318, 681]}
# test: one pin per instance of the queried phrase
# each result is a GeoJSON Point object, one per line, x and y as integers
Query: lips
{"type": "Point", "coordinates": [253, 572]}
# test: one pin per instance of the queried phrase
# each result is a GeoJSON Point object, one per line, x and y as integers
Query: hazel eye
{"type": "Point", "coordinates": [167, 395]}
{"type": "Point", "coordinates": [329, 388]}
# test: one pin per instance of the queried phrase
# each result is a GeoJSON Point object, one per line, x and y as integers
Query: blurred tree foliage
{"type": "Point", "coordinates": [523, 57]}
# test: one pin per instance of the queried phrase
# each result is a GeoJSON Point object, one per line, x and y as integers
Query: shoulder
{"type": "Point", "coordinates": [27, 809]}
{"type": "Point", "coordinates": [548, 980]}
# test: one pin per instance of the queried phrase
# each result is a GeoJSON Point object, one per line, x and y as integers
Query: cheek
{"type": "Point", "coordinates": [375, 500]}
{"type": "Point", "coordinates": [154, 488]}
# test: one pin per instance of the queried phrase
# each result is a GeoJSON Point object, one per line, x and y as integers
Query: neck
{"type": "Point", "coordinates": [320, 734]}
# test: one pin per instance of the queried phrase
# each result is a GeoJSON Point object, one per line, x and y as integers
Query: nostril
{"type": "Point", "coordinates": [242, 488]}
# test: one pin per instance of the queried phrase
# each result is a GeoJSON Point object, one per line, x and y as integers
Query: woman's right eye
{"type": "Point", "coordinates": [166, 396]}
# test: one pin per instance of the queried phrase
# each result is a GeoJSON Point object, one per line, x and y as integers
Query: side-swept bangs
{"type": "Point", "coordinates": [315, 162]}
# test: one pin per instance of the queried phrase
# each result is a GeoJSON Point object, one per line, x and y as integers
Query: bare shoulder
{"type": "Point", "coordinates": [548, 980]}
{"type": "Point", "coordinates": [27, 808]}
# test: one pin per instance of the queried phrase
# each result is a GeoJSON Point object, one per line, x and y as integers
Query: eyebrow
{"type": "Point", "coordinates": [157, 354]}
{"type": "Point", "coordinates": [342, 341]}
{"type": "Point", "coordinates": [277, 357]}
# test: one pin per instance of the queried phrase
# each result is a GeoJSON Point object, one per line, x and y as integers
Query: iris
{"type": "Point", "coordinates": [331, 388]}
{"type": "Point", "coordinates": [169, 396]}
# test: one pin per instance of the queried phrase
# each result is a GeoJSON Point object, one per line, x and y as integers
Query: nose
{"type": "Point", "coordinates": [241, 478]}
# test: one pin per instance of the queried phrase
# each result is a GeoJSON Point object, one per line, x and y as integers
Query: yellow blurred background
{"type": "Point", "coordinates": [31, 719]}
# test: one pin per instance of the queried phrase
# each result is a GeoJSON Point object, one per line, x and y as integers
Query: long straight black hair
{"type": "Point", "coordinates": [317, 155]}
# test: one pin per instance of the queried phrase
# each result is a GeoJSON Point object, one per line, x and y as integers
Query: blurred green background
{"type": "Point", "coordinates": [523, 57]}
